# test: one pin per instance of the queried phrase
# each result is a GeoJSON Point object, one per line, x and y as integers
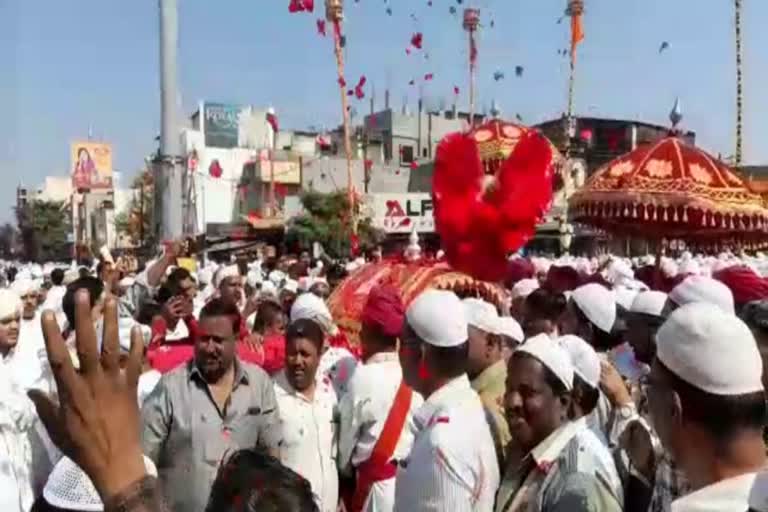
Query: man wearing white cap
{"type": "Point", "coordinates": [646, 314]}
{"type": "Point", "coordinates": [708, 406]}
{"type": "Point", "coordinates": [31, 344]}
{"type": "Point", "coordinates": [520, 291]}
{"type": "Point", "coordinates": [229, 282]}
{"type": "Point", "coordinates": [511, 336]}
{"type": "Point", "coordinates": [590, 314]}
{"type": "Point", "coordinates": [702, 289]}
{"type": "Point", "coordinates": [587, 370]}
{"type": "Point", "coordinates": [486, 367]}
{"type": "Point", "coordinates": [337, 363]}
{"type": "Point", "coordinates": [25, 458]}
{"type": "Point", "coordinates": [452, 465]}
{"type": "Point", "coordinates": [563, 467]}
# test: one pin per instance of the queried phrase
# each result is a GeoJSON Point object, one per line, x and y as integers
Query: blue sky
{"type": "Point", "coordinates": [68, 65]}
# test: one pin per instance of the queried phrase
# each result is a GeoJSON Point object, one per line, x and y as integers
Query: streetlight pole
{"type": "Point", "coordinates": [168, 172]}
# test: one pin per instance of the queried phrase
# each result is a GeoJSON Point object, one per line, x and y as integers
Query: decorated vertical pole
{"type": "Point", "coordinates": [334, 13]}
{"type": "Point", "coordinates": [471, 23]}
{"type": "Point", "coordinates": [574, 10]}
{"type": "Point", "coordinates": [739, 85]}
{"type": "Point", "coordinates": [272, 122]}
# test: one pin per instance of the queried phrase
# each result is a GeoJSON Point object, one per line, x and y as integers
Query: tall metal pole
{"type": "Point", "coordinates": [169, 172]}
{"type": "Point", "coordinates": [739, 86]}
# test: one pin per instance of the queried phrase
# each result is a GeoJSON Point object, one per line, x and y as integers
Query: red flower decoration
{"type": "Point", "coordinates": [359, 92]}
{"type": "Point", "coordinates": [321, 27]}
{"type": "Point", "coordinates": [482, 219]}
{"type": "Point", "coordinates": [414, 165]}
{"type": "Point", "coordinates": [301, 6]}
{"type": "Point", "coordinates": [215, 169]}
{"type": "Point", "coordinates": [429, 76]}
{"type": "Point", "coordinates": [417, 40]}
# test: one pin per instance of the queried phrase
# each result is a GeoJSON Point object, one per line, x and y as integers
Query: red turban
{"type": "Point", "coordinates": [384, 310]}
{"type": "Point", "coordinates": [744, 283]}
{"type": "Point", "coordinates": [517, 270]}
{"type": "Point", "coordinates": [562, 279]}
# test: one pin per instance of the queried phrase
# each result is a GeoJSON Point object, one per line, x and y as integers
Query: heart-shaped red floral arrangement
{"type": "Point", "coordinates": [483, 218]}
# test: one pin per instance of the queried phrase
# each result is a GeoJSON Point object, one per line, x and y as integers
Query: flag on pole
{"type": "Point", "coordinates": [577, 32]}
{"type": "Point", "coordinates": [272, 119]}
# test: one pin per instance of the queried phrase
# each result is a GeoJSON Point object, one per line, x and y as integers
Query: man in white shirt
{"type": "Point", "coordinates": [56, 295]}
{"type": "Point", "coordinates": [307, 414]}
{"type": "Point", "coordinates": [370, 401]}
{"type": "Point", "coordinates": [452, 465]}
{"type": "Point", "coordinates": [31, 332]}
{"type": "Point", "coordinates": [25, 451]}
{"type": "Point", "coordinates": [26, 361]}
{"type": "Point", "coordinates": [560, 464]}
{"type": "Point", "coordinates": [707, 403]}
{"type": "Point", "coordinates": [336, 363]}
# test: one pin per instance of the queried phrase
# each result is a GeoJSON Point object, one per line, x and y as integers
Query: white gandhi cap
{"type": "Point", "coordinates": [524, 288]}
{"type": "Point", "coordinates": [598, 305]}
{"type": "Point", "coordinates": [711, 350]}
{"type": "Point", "coordinates": [481, 315]}
{"type": "Point", "coordinates": [438, 318]}
{"type": "Point", "coordinates": [509, 327]}
{"type": "Point", "coordinates": [552, 355]}
{"type": "Point", "coordinates": [703, 289]}
{"type": "Point", "coordinates": [586, 363]}
{"type": "Point", "coordinates": [649, 303]}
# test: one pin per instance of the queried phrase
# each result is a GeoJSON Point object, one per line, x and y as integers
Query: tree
{"type": "Point", "coordinates": [326, 220]}
{"type": "Point", "coordinates": [136, 221]}
{"type": "Point", "coordinates": [44, 227]}
{"type": "Point", "coordinates": [8, 238]}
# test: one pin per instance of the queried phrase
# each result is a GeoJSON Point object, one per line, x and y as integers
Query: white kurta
{"type": "Point", "coordinates": [731, 495]}
{"type": "Point", "coordinates": [338, 366]}
{"type": "Point", "coordinates": [362, 413]}
{"type": "Point", "coordinates": [452, 465]}
{"type": "Point", "coordinates": [26, 454]}
{"type": "Point", "coordinates": [309, 438]}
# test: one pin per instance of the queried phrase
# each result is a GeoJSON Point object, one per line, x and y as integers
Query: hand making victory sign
{"type": "Point", "coordinates": [96, 422]}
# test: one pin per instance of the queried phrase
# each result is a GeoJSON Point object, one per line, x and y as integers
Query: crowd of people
{"type": "Point", "coordinates": [595, 384]}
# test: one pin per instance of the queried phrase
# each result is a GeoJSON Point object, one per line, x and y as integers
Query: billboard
{"type": "Point", "coordinates": [402, 213]}
{"type": "Point", "coordinates": [286, 172]}
{"type": "Point", "coordinates": [221, 124]}
{"type": "Point", "coordinates": [91, 165]}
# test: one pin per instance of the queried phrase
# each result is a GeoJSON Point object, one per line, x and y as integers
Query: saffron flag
{"type": "Point", "coordinates": [577, 34]}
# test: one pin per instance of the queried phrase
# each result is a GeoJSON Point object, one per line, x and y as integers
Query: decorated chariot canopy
{"type": "Point", "coordinates": [671, 190]}
{"type": "Point", "coordinates": [497, 139]}
{"type": "Point", "coordinates": [347, 301]}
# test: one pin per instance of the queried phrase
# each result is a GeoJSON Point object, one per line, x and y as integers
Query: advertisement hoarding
{"type": "Point", "coordinates": [91, 165]}
{"type": "Point", "coordinates": [221, 124]}
{"type": "Point", "coordinates": [401, 213]}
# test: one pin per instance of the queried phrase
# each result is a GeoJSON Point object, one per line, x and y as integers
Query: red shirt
{"type": "Point", "coordinates": [274, 353]}
{"type": "Point", "coordinates": [164, 355]}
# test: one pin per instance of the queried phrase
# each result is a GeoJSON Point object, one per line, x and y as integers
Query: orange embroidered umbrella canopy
{"type": "Point", "coordinates": [670, 189]}
{"type": "Point", "coordinates": [496, 139]}
{"type": "Point", "coordinates": [348, 299]}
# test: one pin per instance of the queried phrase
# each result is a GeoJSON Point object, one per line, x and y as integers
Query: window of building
{"type": "Point", "coordinates": [406, 155]}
